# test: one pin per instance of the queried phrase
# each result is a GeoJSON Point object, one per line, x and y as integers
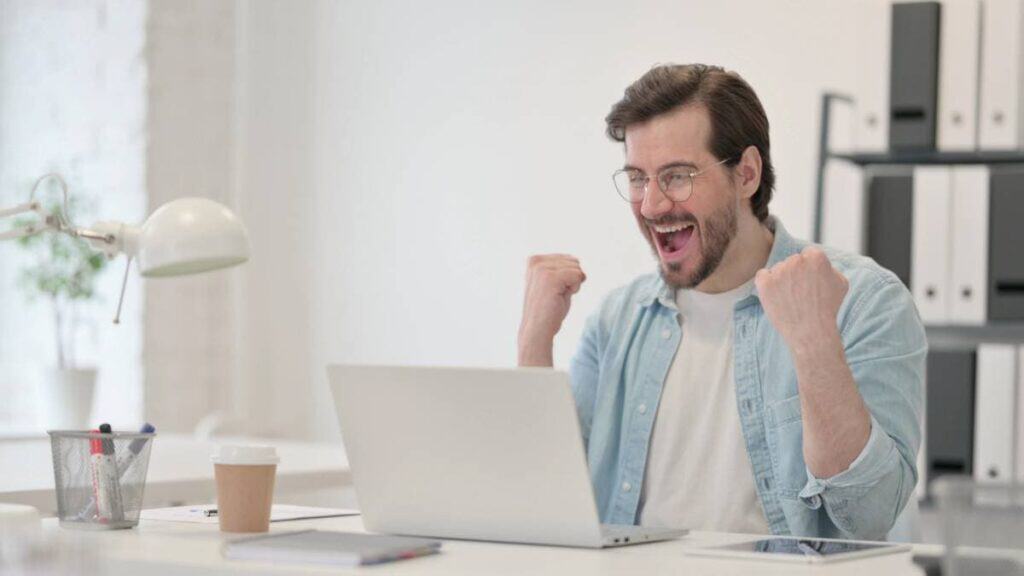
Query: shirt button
{"type": "Point", "coordinates": [666, 334]}
{"type": "Point", "coordinates": [642, 409]}
{"type": "Point", "coordinates": [626, 486]}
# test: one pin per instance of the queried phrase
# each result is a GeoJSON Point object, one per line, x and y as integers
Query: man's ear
{"type": "Point", "coordinates": [748, 169]}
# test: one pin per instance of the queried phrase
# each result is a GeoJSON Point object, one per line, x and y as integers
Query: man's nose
{"type": "Point", "coordinates": [655, 204]}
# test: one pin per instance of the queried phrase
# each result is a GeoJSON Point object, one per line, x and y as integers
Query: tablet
{"type": "Point", "coordinates": [802, 550]}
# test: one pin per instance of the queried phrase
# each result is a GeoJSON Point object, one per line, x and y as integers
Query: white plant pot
{"type": "Point", "coordinates": [66, 398]}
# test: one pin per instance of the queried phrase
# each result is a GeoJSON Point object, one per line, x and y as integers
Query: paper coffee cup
{"type": "Point", "coordinates": [245, 487]}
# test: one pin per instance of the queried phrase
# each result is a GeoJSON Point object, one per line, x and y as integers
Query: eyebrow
{"type": "Point", "coordinates": [676, 164]}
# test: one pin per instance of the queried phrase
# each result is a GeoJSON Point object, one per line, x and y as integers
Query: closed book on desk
{"type": "Point", "coordinates": [330, 548]}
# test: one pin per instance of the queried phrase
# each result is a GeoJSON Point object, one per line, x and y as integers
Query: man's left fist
{"type": "Point", "coordinates": [801, 296]}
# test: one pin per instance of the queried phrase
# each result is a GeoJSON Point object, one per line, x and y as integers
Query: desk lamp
{"type": "Point", "coordinates": [184, 236]}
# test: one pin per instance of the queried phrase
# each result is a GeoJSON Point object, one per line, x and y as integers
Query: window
{"type": "Point", "coordinates": [72, 101]}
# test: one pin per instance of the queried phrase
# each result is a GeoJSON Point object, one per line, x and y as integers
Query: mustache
{"type": "Point", "coordinates": [676, 219]}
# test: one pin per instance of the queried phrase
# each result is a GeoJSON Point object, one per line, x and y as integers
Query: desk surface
{"type": "Point", "coordinates": [179, 469]}
{"type": "Point", "coordinates": [168, 548]}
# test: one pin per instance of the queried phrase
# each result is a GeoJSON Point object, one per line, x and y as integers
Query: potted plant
{"type": "Point", "coordinates": [63, 271]}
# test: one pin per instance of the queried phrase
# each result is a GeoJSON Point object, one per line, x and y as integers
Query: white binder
{"type": "Point", "coordinates": [1000, 92]}
{"type": "Point", "coordinates": [968, 288]}
{"type": "Point", "coordinates": [994, 406]}
{"type": "Point", "coordinates": [843, 206]}
{"type": "Point", "coordinates": [930, 261]}
{"type": "Point", "coordinates": [958, 75]}
{"type": "Point", "coordinates": [1019, 426]}
{"type": "Point", "coordinates": [871, 107]}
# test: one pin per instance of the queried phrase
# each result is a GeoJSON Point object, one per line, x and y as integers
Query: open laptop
{"type": "Point", "coordinates": [479, 454]}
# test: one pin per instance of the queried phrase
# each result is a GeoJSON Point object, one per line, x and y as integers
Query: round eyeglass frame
{"type": "Point", "coordinates": [692, 175]}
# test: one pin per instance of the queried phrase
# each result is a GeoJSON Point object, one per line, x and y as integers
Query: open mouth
{"type": "Point", "coordinates": [672, 240]}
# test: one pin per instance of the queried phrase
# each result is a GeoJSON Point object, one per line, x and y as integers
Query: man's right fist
{"type": "Point", "coordinates": [551, 280]}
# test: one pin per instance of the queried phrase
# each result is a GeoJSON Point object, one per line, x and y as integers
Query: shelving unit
{"type": "Point", "coordinates": [899, 158]}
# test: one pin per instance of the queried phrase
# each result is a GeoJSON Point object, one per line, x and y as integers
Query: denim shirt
{"type": "Point", "coordinates": [627, 346]}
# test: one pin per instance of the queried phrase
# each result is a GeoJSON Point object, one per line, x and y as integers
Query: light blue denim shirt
{"type": "Point", "coordinates": [619, 370]}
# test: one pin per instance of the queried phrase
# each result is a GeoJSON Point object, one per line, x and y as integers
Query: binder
{"type": "Point", "coordinates": [994, 412]}
{"type": "Point", "coordinates": [914, 76]}
{"type": "Point", "coordinates": [949, 412]}
{"type": "Point", "coordinates": [1019, 428]}
{"type": "Point", "coordinates": [959, 46]}
{"type": "Point", "coordinates": [843, 210]}
{"type": "Point", "coordinates": [890, 209]}
{"type": "Point", "coordinates": [871, 105]}
{"type": "Point", "coordinates": [969, 248]}
{"type": "Point", "coordinates": [1006, 264]}
{"type": "Point", "coordinates": [930, 245]}
{"type": "Point", "coordinates": [999, 121]}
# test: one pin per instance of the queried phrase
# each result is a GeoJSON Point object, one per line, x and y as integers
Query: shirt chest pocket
{"type": "Point", "coordinates": [785, 435]}
{"type": "Point", "coordinates": [784, 411]}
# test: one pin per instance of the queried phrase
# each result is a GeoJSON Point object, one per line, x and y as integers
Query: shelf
{"type": "Point", "coordinates": [933, 157]}
{"type": "Point", "coordinates": [954, 336]}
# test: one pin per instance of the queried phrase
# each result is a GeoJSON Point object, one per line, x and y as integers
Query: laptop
{"type": "Point", "coordinates": [470, 453]}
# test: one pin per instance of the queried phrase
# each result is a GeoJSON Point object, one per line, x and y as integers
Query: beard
{"type": "Point", "coordinates": [716, 233]}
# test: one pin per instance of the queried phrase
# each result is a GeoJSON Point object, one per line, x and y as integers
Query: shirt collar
{"type": "Point", "coordinates": [783, 247]}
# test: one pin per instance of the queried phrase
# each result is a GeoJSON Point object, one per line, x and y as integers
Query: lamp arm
{"type": "Point", "coordinates": [46, 221]}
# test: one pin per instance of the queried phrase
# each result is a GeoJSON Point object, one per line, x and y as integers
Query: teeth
{"type": "Point", "coordinates": [669, 228]}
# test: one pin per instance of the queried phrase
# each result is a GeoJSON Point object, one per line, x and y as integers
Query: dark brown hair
{"type": "Point", "coordinates": [737, 117]}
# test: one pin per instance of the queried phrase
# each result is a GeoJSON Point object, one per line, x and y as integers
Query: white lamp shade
{"type": "Point", "coordinates": [189, 236]}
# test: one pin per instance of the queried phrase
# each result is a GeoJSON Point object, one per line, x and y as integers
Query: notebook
{"type": "Point", "coordinates": [327, 547]}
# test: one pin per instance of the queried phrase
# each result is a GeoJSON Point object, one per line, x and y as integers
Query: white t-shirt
{"type": "Point", "coordinates": [698, 473]}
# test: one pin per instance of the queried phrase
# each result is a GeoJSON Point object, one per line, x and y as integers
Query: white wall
{"type": "Point", "coordinates": [190, 327]}
{"type": "Point", "coordinates": [450, 140]}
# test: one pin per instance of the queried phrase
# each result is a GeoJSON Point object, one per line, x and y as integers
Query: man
{"type": "Point", "coordinates": [757, 384]}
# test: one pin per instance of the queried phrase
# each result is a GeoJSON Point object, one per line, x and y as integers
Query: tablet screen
{"type": "Point", "coordinates": [803, 547]}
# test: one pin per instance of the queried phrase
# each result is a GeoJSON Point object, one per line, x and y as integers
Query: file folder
{"type": "Point", "coordinates": [969, 248]}
{"type": "Point", "coordinates": [890, 208]}
{"type": "Point", "coordinates": [999, 121]}
{"type": "Point", "coordinates": [1006, 233]}
{"type": "Point", "coordinates": [930, 262]}
{"type": "Point", "coordinates": [959, 46]}
{"type": "Point", "coordinates": [843, 210]}
{"type": "Point", "coordinates": [995, 403]}
{"type": "Point", "coordinates": [1019, 425]}
{"type": "Point", "coordinates": [871, 93]}
{"type": "Point", "coordinates": [949, 412]}
{"type": "Point", "coordinates": [914, 76]}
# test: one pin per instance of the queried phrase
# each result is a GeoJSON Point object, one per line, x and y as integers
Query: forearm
{"type": "Point", "coordinates": [535, 350]}
{"type": "Point", "coordinates": [836, 422]}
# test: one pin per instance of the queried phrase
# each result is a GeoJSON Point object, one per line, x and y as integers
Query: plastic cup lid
{"type": "Point", "coordinates": [245, 455]}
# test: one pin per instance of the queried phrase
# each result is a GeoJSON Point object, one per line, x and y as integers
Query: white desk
{"type": "Point", "coordinates": [170, 549]}
{"type": "Point", "coordinates": [179, 470]}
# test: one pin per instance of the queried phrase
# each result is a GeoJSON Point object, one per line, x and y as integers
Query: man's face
{"type": "Point", "coordinates": [689, 238]}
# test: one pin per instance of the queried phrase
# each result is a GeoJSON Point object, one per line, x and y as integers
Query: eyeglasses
{"type": "Point", "coordinates": [675, 182]}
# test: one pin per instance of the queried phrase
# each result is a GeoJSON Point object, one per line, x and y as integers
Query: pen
{"type": "Point", "coordinates": [100, 495]}
{"type": "Point", "coordinates": [127, 459]}
{"type": "Point", "coordinates": [109, 483]}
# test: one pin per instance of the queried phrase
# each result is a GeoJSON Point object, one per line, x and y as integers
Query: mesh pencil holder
{"type": "Point", "coordinates": [99, 478]}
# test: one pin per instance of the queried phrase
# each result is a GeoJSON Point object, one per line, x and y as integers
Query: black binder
{"type": "Point", "coordinates": [914, 76]}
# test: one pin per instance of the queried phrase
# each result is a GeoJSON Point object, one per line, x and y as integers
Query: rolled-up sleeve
{"type": "Point", "coordinates": [886, 350]}
{"type": "Point", "coordinates": [584, 372]}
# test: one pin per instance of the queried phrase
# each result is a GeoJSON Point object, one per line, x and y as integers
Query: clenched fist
{"type": "Point", "coordinates": [801, 296]}
{"type": "Point", "coordinates": [551, 280]}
